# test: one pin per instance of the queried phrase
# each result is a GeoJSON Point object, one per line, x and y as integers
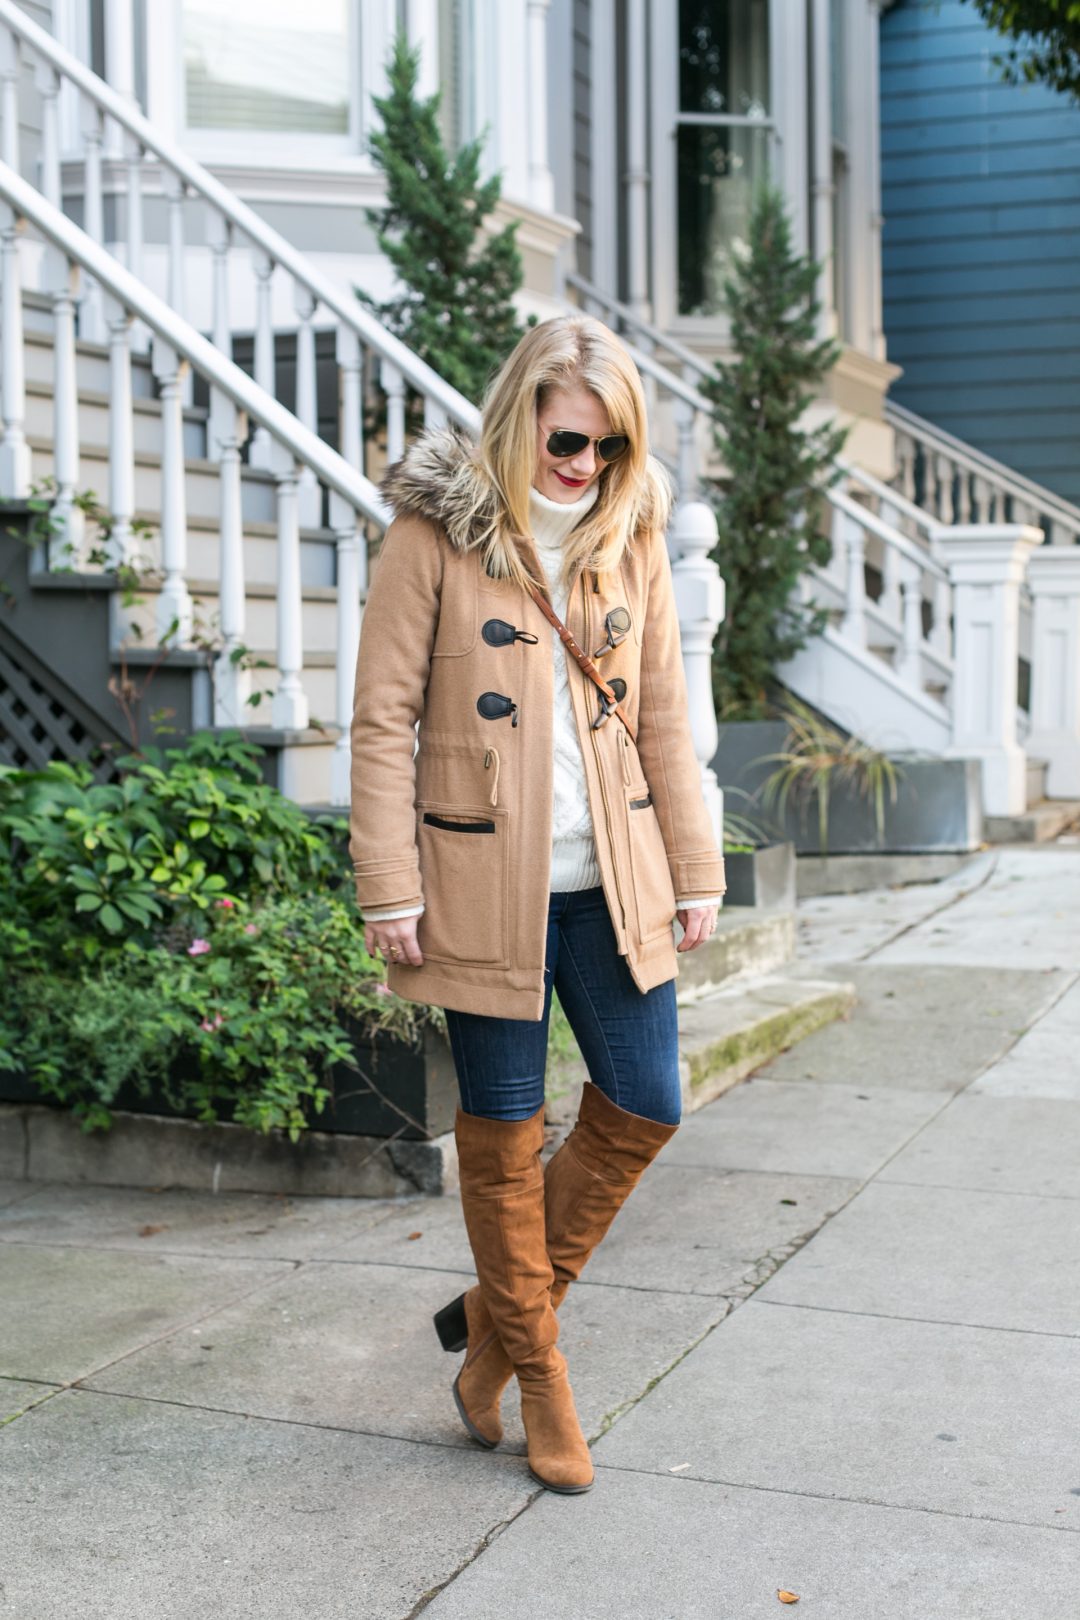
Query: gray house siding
{"type": "Point", "coordinates": [981, 195]}
{"type": "Point", "coordinates": [582, 134]}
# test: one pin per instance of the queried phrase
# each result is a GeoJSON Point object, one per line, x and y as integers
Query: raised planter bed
{"type": "Point", "coordinates": [761, 877]}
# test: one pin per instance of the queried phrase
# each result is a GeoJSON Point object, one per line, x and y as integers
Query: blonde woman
{"type": "Point", "coordinates": [518, 826]}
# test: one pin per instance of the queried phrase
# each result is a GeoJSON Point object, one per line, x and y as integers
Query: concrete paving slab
{"type": "Point", "coordinates": [1027, 914]}
{"type": "Point", "coordinates": [848, 927]}
{"type": "Point", "coordinates": [69, 1311]}
{"type": "Point", "coordinates": [803, 1128]}
{"type": "Point", "coordinates": [119, 1507]}
{"type": "Point", "coordinates": [16, 1394]}
{"type": "Point", "coordinates": [13, 1192]}
{"type": "Point", "coordinates": [932, 1253]}
{"type": "Point", "coordinates": [948, 995]}
{"type": "Point", "coordinates": [1044, 1063]}
{"type": "Point", "coordinates": [870, 1052]}
{"type": "Point", "coordinates": [997, 1144]}
{"type": "Point", "coordinates": [651, 1549]}
{"type": "Point", "coordinates": [907, 1414]}
{"type": "Point", "coordinates": [235, 1224]}
{"type": "Point", "coordinates": [353, 1347]}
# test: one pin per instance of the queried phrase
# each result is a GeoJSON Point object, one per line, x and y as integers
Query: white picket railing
{"type": "Point", "coordinates": [153, 164]}
{"type": "Point", "coordinates": [294, 452]}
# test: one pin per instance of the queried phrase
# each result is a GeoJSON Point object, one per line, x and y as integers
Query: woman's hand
{"type": "Point", "coordinates": [396, 939]}
{"type": "Point", "coordinates": [697, 923]}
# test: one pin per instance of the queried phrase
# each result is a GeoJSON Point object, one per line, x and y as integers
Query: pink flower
{"type": "Point", "coordinates": [226, 905]}
{"type": "Point", "coordinates": [382, 990]}
{"type": "Point", "coordinates": [250, 928]}
{"type": "Point", "coordinates": [198, 947]}
{"type": "Point", "coordinates": [211, 1026]}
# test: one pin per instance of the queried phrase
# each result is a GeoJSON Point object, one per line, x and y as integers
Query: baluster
{"type": "Point", "coordinates": [905, 466]}
{"type": "Point", "coordinates": [941, 629]}
{"type": "Point", "coordinates": [92, 326]}
{"type": "Point", "coordinates": [175, 193]}
{"type": "Point", "coordinates": [980, 500]}
{"type": "Point", "coordinates": [963, 508]}
{"type": "Point", "coordinates": [351, 555]}
{"type": "Point", "coordinates": [10, 72]}
{"type": "Point", "coordinates": [891, 576]}
{"type": "Point", "coordinates": [289, 711]}
{"type": "Point", "coordinates": [219, 234]}
{"type": "Point", "coordinates": [393, 384]}
{"type": "Point", "coordinates": [351, 383]}
{"type": "Point", "coordinates": [133, 156]}
{"type": "Point", "coordinates": [307, 409]}
{"type": "Point", "coordinates": [261, 452]}
{"type": "Point", "coordinates": [121, 437]}
{"type": "Point", "coordinates": [685, 426]}
{"type": "Point", "coordinates": [232, 683]}
{"type": "Point", "coordinates": [434, 414]}
{"type": "Point", "coordinates": [62, 280]}
{"type": "Point", "coordinates": [14, 450]}
{"type": "Point", "coordinates": [909, 663]}
{"type": "Point", "coordinates": [174, 611]}
{"type": "Point", "coordinates": [47, 85]}
{"type": "Point", "coordinates": [853, 624]}
{"type": "Point", "coordinates": [943, 471]}
{"type": "Point", "coordinates": [648, 347]}
{"type": "Point", "coordinates": [836, 559]}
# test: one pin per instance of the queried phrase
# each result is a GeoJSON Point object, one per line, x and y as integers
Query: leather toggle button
{"type": "Point", "coordinates": [496, 706]}
{"type": "Point", "coordinates": [497, 633]}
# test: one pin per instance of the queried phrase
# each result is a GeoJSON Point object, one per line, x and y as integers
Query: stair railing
{"type": "Point", "coordinates": [363, 346]}
{"type": "Point", "coordinates": [955, 483]}
{"type": "Point", "coordinates": [69, 254]}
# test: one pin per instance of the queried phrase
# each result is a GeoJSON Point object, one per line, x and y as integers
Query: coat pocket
{"type": "Point", "coordinates": [464, 868]}
{"type": "Point", "coordinates": [654, 895]}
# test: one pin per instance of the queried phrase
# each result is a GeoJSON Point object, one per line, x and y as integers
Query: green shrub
{"type": "Point", "coordinates": [185, 927]}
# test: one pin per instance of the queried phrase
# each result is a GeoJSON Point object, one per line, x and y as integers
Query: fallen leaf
{"type": "Point", "coordinates": [151, 1231]}
{"type": "Point", "coordinates": [787, 1597]}
{"type": "Point", "coordinates": [414, 1235]}
{"type": "Point", "coordinates": [678, 1468]}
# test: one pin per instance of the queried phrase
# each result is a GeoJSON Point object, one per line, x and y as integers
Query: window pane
{"type": "Point", "coordinates": [718, 171]}
{"type": "Point", "coordinates": [277, 65]}
{"type": "Point", "coordinates": [724, 57]}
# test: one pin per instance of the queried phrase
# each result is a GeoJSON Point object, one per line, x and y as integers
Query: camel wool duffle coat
{"type": "Point", "coordinates": [454, 809]}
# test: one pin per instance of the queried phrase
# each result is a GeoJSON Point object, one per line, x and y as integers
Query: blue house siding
{"type": "Point", "coordinates": [981, 244]}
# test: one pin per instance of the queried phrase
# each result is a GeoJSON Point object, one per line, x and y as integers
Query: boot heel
{"type": "Point", "coordinates": [451, 1326]}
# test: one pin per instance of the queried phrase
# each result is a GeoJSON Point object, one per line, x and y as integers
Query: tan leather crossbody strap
{"type": "Point", "coordinates": [583, 658]}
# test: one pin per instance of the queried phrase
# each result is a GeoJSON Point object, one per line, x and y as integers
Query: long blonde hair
{"type": "Point", "coordinates": [566, 352]}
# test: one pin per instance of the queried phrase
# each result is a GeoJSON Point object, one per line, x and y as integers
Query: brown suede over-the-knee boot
{"type": "Point", "coordinates": [586, 1184]}
{"type": "Point", "coordinates": [502, 1197]}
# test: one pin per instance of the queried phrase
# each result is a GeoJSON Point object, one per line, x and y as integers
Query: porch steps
{"type": "Point", "coordinates": [1040, 823]}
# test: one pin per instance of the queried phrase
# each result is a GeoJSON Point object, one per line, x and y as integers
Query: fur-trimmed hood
{"type": "Point", "coordinates": [438, 477]}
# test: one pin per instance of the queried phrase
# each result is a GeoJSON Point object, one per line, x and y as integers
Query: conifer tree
{"type": "Point", "coordinates": [769, 507]}
{"type": "Point", "coordinates": [455, 310]}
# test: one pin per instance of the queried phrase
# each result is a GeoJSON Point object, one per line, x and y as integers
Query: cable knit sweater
{"type": "Point", "coordinates": [573, 850]}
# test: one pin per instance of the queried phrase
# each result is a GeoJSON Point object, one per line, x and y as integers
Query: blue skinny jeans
{"type": "Point", "coordinates": [629, 1040]}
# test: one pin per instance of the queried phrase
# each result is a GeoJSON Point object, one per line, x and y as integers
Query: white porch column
{"type": "Point", "coordinates": [986, 564]}
{"type": "Point", "coordinates": [699, 601]}
{"type": "Point", "coordinates": [873, 267]}
{"type": "Point", "coordinates": [789, 65]}
{"type": "Point", "coordinates": [422, 28]}
{"type": "Point", "coordinates": [821, 185]}
{"type": "Point", "coordinates": [637, 159]}
{"type": "Point", "coordinates": [119, 61]}
{"type": "Point", "coordinates": [860, 115]}
{"type": "Point", "coordinates": [541, 179]}
{"type": "Point", "coordinates": [1054, 578]}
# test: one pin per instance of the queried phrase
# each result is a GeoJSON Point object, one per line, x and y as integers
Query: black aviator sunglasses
{"type": "Point", "coordinates": [563, 443]}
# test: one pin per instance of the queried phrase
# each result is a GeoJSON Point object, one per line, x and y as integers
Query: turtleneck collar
{"type": "Point", "coordinates": [553, 520]}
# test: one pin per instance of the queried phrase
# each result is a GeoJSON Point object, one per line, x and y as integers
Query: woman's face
{"type": "Point", "coordinates": [578, 410]}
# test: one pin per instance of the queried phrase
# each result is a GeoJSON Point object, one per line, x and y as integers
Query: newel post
{"type": "Point", "coordinates": [1054, 578]}
{"type": "Point", "coordinates": [986, 564]}
{"type": "Point", "coordinates": [699, 601]}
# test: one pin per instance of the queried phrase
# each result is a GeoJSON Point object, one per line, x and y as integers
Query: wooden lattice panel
{"type": "Point", "coordinates": [36, 726]}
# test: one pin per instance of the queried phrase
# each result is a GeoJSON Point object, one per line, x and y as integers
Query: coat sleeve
{"type": "Point", "coordinates": [665, 741]}
{"type": "Point", "coordinates": [392, 667]}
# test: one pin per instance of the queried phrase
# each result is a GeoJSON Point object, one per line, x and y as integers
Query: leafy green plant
{"type": "Point", "coordinates": [1046, 41]}
{"type": "Point", "coordinates": [768, 508]}
{"type": "Point", "coordinates": [816, 759]}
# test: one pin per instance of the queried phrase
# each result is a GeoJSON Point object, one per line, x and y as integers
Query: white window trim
{"type": "Point", "coordinates": [373, 22]}
{"type": "Point", "coordinates": [788, 69]}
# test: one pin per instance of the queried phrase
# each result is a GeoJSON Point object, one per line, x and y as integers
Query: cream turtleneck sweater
{"type": "Point", "coordinates": [573, 850]}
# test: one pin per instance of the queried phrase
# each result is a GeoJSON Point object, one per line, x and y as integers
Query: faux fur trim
{"type": "Point", "coordinates": [438, 477]}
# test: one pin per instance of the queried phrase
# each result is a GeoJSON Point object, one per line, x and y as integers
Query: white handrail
{"type": "Point", "coordinates": [425, 380]}
{"type": "Point", "coordinates": [685, 356]}
{"type": "Point", "coordinates": [884, 532]}
{"type": "Point", "coordinates": [977, 462]}
{"type": "Point", "coordinates": [136, 297]}
{"type": "Point", "coordinates": [886, 492]}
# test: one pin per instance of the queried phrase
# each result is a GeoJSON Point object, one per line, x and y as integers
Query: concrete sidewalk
{"type": "Point", "coordinates": [831, 1346]}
